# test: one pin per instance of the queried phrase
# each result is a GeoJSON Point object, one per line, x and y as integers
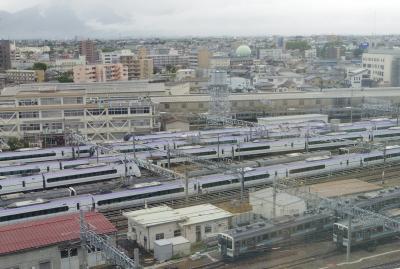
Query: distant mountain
{"type": "Point", "coordinates": [56, 21]}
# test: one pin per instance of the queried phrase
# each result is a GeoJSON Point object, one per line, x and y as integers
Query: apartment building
{"type": "Point", "coordinates": [100, 73]}
{"type": "Point", "coordinates": [383, 65]}
{"type": "Point", "coordinates": [88, 49]}
{"type": "Point", "coordinates": [5, 55]}
{"type": "Point", "coordinates": [137, 68]}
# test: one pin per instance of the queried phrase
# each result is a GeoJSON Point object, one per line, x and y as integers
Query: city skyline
{"type": "Point", "coordinates": [176, 18]}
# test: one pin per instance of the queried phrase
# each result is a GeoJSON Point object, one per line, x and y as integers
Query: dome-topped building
{"type": "Point", "coordinates": [243, 51]}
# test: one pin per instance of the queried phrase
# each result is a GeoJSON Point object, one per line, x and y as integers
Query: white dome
{"type": "Point", "coordinates": [243, 51]}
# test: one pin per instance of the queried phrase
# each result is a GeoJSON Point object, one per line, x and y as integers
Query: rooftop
{"type": "Point", "coordinates": [50, 231]}
{"type": "Point", "coordinates": [186, 216]}
{"type": "Point", "coordinates": [282, 198]}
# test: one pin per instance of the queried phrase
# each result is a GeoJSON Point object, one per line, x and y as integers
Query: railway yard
{"type": "Point", "coordinates": [335, 188]}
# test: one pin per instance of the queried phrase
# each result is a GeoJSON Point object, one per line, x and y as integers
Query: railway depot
{"type": "Point", "coordinates": [220, 192]}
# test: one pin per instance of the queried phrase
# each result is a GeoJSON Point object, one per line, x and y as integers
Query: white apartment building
{"type": "Point", "coordinates": [220, 63]}
{"type": "Point", "coordinates": [114, 56]}
{"type": "Point", "coordinates": [384, 66]}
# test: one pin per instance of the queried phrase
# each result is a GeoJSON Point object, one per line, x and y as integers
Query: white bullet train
{"type": "Point", "coordinates": [82, 174]}
{"type": "Point", "coordinates": [174, 189]}
{"type": "Point", "coordinates": [28, 155]}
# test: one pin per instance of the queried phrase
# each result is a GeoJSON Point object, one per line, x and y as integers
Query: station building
{"type": "Point", "coordinates": [195, 223]}
{"type": "Point", "coordinates": [52, 243]}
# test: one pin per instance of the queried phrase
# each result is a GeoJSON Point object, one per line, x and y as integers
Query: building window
{"type": "Point", "coordinates": [208, 228]}
{"type": "Point", "coordinates": [94, 112]}
{"type": "Point", "coordinates": [45, 265]}
{"type": "Point", "coordinates": [73, 100]}
{"type": "Point", "coordinates": [29, 115]}
{"type": "Point", "coordinates": [73, 252]}
{"type": "Point", "coordinates": [51, 114]}
{"type": "Point", "coordinates": [159, 236]}
{"type": "Point", "coordinates": [30, 127]}
{"type": "Point", "coordinates": [177, 233]}
{"type": "Point", "coordinates": [166, 106]}
{"type": "Point", "coordinates": [73, 113]}
{"type": "Point", "coordinates": [28, 102]}
{"type": "Point", "coordinates": [118, 111]}
{"type": "Point", "coordinates": [50, 101]}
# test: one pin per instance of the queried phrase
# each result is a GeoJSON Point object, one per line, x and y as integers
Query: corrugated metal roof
{"type": "Point", "coordinates": [45, 232]}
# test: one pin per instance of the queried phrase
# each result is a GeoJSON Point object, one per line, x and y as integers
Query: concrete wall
{"type": "Point", "coordinates": [216, 227]}
{"type": "Point", "coordinates": [150, 233]}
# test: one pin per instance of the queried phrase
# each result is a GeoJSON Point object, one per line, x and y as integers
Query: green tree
{"type": "Point", "coordinates": [65, 77]}
{"type": "Point", "coordinates": [17, 143]}
{"type": "Point", "coordinates": [39, 66]}
{"type": "Point", "coordinates": [358, 52]}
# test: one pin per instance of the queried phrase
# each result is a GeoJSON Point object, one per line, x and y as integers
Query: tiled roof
{"type": "Point", "coordinates": [49, 231]}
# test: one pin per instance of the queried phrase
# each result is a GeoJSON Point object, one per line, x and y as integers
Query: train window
{"type": "Point", "coordinates": [23, 184]}
{"type": "Point", "coordinates": [62, 153]}
{"type": "Point", "coordinates": [253, 148]}
{"type": "Point", "coordinates": [1, 187]}
{"type": "Point", "coordinates": [276, 173]}
{"type": "Point", "coordinates": [229, 243]}
{"type": "Point", "coordinates": [83, 175]}
{"type": "Point", "coordinates": [347, 162]}
{"type": "Point", "coordinates": [34, 213]}
{"type": "Point", "coordinates": [77, 206]}
{"type": "Point", "coordinates": [306, 169]}
{"type": "Point", "coordinates": [373, 158]}
{"type": "Point", "coordinates": [222, 151]}
{"type": "Point", "coordinates": [29, 156]}
{"type": "Point", "coordinates": [292, 144]}
{"type": "Point", "coordinates": [48, 168]}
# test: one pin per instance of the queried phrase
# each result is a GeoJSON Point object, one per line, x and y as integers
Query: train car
{"type": "Point", "coordinates": [29, 155]}
{"type": "Point", "coordinates": [262, 236]}
{"type": "Point", "coordinates": [364, 233]}
{"type": "Point", "coordinates": [84, 174]}
{"type": "Point", "coordinates": [28, 210]}
{"type": "Point", "coordinates": [39, 167]}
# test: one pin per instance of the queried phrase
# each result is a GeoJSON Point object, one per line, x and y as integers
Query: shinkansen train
{"type": "Point", "coordinates": [39, 167]}
{"type": "Point", "coordinates": [82, 174]}
{"type": "Point", "coordinates": [265, 235]}
{"type": "Point", "coordinates": [174, 189]}
{"type": "Point", "coordinates": [38, 155]}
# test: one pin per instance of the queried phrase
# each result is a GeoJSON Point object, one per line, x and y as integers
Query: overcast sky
{"type": "Point", "coordinates": [198, 17]}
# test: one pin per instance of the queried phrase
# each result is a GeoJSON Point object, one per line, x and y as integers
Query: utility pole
{"type": "Point", "coordinates": [274, 198]}
{"type": "Point", "coordinates": [349, 232]}
{"type": "Point", "coordinates": [218, 147]}
{"type": "Point", "coordinates": [384, 163]}
{"type": "Point", "coordinates": [241, 173]}
{"type": "Point", "coordinates": [83, 257]}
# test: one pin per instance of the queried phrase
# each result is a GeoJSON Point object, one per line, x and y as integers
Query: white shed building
{"type": "Point", "coordinates": [195, 223]}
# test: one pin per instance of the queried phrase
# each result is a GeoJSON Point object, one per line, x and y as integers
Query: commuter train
{"type": "Point", "coordinates": [205, 184]}
{"type": "Point", "coordinates": [82, 174]}
{"type": "Point", "coordinates": [364, 233]}
{"type": "Point", "coordinates": [38, 155]}
{"type": "Point", "coordinates": [265, 235]}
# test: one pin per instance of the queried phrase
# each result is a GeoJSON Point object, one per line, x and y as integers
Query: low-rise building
{"type": "Point", "coordinates": [185, 74]}
{"type": "Point", "coordinates": [24, 76]}
{"type": "Point", "coordinates": [358, 78]}
{"type": "Point", "coordinates": [195, 223]}
{"type": "Point", "coordinates": [52, 243]}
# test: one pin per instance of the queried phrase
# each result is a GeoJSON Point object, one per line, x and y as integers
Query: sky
{"type": "Point", "coordinates": [152, 18]}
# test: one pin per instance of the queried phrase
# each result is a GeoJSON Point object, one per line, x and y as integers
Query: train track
{"type": "Point", "coordinates": [370, 174]}
{"type": "Point", "coordinates": [304, 260]}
